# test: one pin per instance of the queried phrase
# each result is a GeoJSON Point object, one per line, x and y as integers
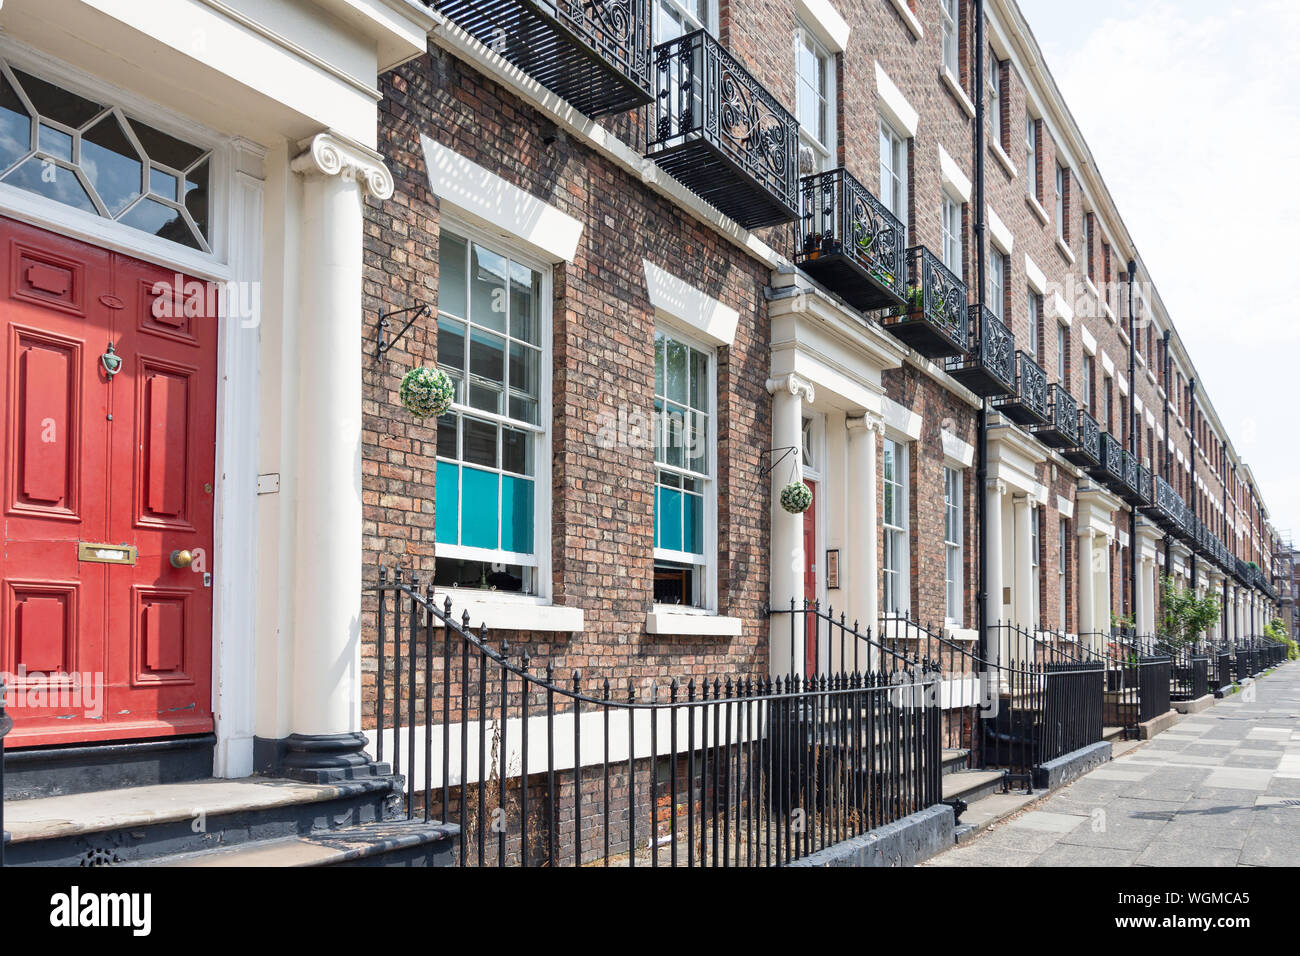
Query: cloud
{"type": "Point", "coordinates": [1192, 116]}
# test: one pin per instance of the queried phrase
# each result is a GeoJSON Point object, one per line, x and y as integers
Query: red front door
{"type": "Point", "coordinates": [811, 660]}
{"type": "Point", "coordinates": [105, 476]}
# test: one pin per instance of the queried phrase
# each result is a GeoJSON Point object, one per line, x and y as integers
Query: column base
{"type": "Point", "coordinates": [328, 758]}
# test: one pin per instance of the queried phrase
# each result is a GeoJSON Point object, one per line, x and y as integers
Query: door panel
{"type": "Point", "coordinates": [811, 661]}
{"type": "Point", "coordinates": [98, 651]}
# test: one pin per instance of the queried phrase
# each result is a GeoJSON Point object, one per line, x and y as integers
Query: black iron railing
{"type": "Point", "coordinates": [593, 53]}
{"type": "Point", "coordinates": [1222, 668]}
{"type": "Point", "coordinates": [1062, 428]}
{"type": "Point", "coordinates": [989, 366]}
{"type": "Point", "coordinates": [539, 768]}
{"type": "Point", "coordinates": [1028, 405]}
{"type": "Point", "coordinates": [1087, 452]}
{"type": "Point", "coordinates": [721, 134]}
{"type": "Point", "coordinates": [1143, 485]}
{"type": "Point", "coordinates": [933, 318]}
{"type": "Point", "coordinates": [849, 241]}
{"type": "Point", "coordinates": [1154, 674]}
{"type": "Point", "coordinates": [1189, 674]}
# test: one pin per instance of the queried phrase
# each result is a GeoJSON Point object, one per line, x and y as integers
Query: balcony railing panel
{"type": "Point", "coordinates": [594, 53]}
{"type": "Point", "coordinates": [1087, 451]}
{"type": "Point", "coordinates": [721, 134]}
{"type": "Point", "coordinates": [1028, 406]}
{"type": "Point", "coordinates": [933, 318]}
{"type": "Point", "coordinates": [1129, 488]}
{"type": "Point", "coordinates": [1110, 469]}
{"type": "Point", "coordinates": [1062, 428]}
{"type": "Point", "coordinates": [849, 241]}
{"type": "Point", "coordinates": [989, 366]}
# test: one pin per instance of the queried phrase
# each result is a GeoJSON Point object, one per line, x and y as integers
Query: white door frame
{"type": "Point", "coordinates": [235, 229]}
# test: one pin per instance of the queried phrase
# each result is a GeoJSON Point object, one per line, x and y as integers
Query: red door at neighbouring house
{"type": "Point", "coordinates": [105, 476]}
{"type": "Point", "coordinates": [811, 660]}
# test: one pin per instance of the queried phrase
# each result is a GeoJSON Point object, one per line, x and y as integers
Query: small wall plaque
{"type": "Point", "coordinates": [833, 568]}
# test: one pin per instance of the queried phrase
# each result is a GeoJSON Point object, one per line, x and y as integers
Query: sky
{"type": "Point", "coordinates": [1192, 112]}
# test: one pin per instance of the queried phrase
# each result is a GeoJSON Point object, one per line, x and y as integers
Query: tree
{"type": "Point", "coordinates": [1186, 615]}
{"type": "Point", "coordinates": [1277, 631]}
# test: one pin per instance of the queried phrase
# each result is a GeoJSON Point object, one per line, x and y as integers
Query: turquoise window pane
{"type": "Point", "coordinates": [448, 503]}
{"type": "Point", "coordinates": [516, 514]}
{"type": "Point", "coordinates": [693, 524]}
{"type": "Point", "coordinates": [478, 519]}
{"type": "Point", "coordinates": [668, 520]}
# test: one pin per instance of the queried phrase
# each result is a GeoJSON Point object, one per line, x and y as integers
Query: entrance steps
{"type": "Point", "coordinates": [271, 822]}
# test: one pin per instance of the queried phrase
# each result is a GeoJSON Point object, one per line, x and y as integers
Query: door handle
{"type": "Point", "coordinates": [180, 559]}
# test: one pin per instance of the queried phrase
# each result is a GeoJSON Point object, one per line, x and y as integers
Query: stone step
{"type": "Point", "coordinates": [395, 843]}
{"type": "Point", "coordinates": [954, 760]}
{"type": "Point", "coordinates": [141, 823]}
{"type": "Point", "coordinates": [972, 785]}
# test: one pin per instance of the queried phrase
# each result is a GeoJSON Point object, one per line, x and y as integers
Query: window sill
{"type": "Point", "coordinates": [954, 87]}
{"type": "Point", "coordinates": [663, 619]}
{"type": "Point", "coordinates": [909, 18]}
{"type": "Point", "coordinates": [1092, 287]}
{"type": "Point", "coordinates": [513, 614]}
{"type": "Point", "coordinates": [1064, 250]}
{"type": "Point", "coordinates": [1037, 207]}
{"type": "Point", "coordinates": [1110, 313]}
{"type": "Point", "coordinates": [1003, 158]}
{"type": "Point", "coordinates": [967, 635]}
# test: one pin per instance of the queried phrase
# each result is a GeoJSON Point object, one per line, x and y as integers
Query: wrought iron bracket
{"type": "Point", "coordinates": [382, 343]}
{"type": "Point", "coordinates": [786, 451]}
{"type": "Point", "coordinates": [959, 806]}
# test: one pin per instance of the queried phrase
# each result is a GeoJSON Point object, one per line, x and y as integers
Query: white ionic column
{"type": "Point", "coordinates": [1022, 569]}
{"type": "Point", "coordinates": [1102, 586]}
{"type": "Point", "coordinates": [1087, 589]}
{"type": "Point", "coordinates": [864, 572]}
{"type": "Point", "coordinates": [994, 493]}
{"type": "Point", "coordinates": [326, 712]}
{"type": "Point", "coordinates": [1141, 618]}
{"type": "Point", "coordinates": [787, 564]}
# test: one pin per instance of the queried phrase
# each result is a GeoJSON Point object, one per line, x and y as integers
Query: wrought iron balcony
{"type": "Point", "coordinates": [1129, 488]}
{"type": "Point", "coordinates": [1086, 453]}
{"type": "Point", "coordinates": [594, 53]}
{"type": "Point", "coordinates": [1062, 428]}
{"type": "Point", "coordinates": [989, 366]}
{"type": "Point", "coordinates": [721, 134]}
{"type": "Point", "coordinates": [849, 241]}
{"type": "Point", "coordinates": [1028, 404]}
{"type": "Point", "coordinates": [1144, 485]}
{"type": "Point", "coordinates": [1110, 469]}
{"type": "Point", "coordinates": [1165, 509]}
{"type": "Point", "coordinates": [933, 318]}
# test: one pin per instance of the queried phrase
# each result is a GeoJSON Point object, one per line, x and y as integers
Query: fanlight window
{"type": "Point", "coordinates": [94, 157]}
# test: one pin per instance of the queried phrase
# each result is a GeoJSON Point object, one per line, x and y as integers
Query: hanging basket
{"type": "Point", "coordinates": [796, 497]}
{"type": "Point", "coordinates": [426, 392]}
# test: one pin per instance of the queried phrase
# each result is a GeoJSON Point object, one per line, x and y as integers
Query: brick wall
{"type": "Point", "coordinates": [603, 359]}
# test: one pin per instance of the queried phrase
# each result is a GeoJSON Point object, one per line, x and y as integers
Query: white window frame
{"type": "Point", "coordinates": [997, 281]}
{"type": "Point", "coordinates": [1031, 156]}
{"type": "Point", "coordinates": [688, 18]}
{"type": "Point", "coordinates": [949, 31]}
{"type": "Point", "coordinates": [540, 559]}
{"type": "Point", "coordinates": [995, 98]}
{"type": "Point", "coordinates": [709, 562]}
{"type": "Point", "coordinates": [893, 173]}
{"type": "Point", "coordinates": [950, 231]}
{"type": "Point", "coordinates": [954, 488]}
{"type": "Point", "coordinates": [1060, 201]}
{"type": "Point", "coordinates": [896, 557]}
{"type": "Point", "coordinates": [1062, 346]}
{"type": "Point", "coordinates": [1085, 389]}
{"type": "Point", "coordinates": [1035, 303]}
{"type": "Point", "coordinates": [823, 151]}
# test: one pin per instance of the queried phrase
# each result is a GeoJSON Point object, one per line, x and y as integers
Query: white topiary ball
{"type": "Point", "coordinates": [796, 497]}
{"type": "Point", "coordinates": [426, 392]}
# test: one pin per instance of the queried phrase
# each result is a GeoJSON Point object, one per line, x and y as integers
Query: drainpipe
{"type": "Point", "coordinates": [1132, 447]}
{"type": "Point", "coordinates": [982, 423]}
{"type": "Point", "coordinates": [1191, 411]}
{"type": "Point", "coordinates": [1165, 458]}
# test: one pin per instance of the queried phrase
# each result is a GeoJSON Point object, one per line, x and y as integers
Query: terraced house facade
{"type": "Point", "coordinates": [766, 253]}
{"type": "Point", "coordinates": [762, 349]}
